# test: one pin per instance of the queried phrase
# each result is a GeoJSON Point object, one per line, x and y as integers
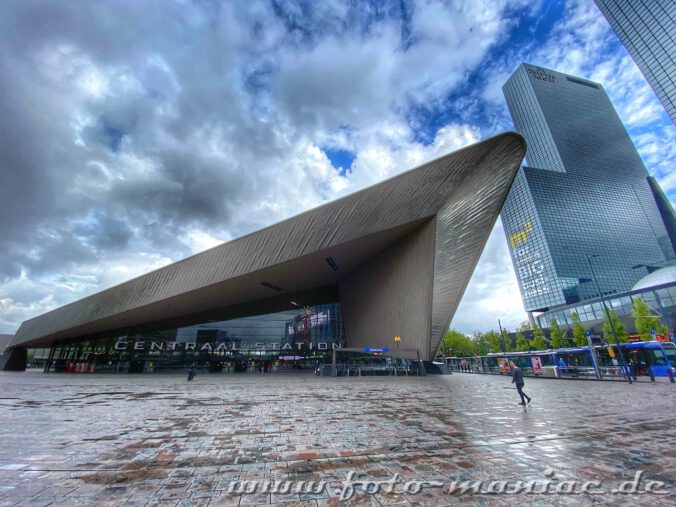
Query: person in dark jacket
{"type": "Point", "coordinates": [517, 378]}
{"type": "Point", "coordinates": [191, 373]}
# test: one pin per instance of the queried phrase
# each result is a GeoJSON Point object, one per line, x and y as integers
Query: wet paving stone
{"type": "Point", "coordinates": [294, 439]}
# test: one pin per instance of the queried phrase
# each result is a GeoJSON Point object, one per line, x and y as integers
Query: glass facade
{"type": "Point", "coordinates": [647, 28]}
{"type": "Point", "coordinates": [662, 301]}
{"type": "Point", "coordinates": [293, 339]}
{"type": "Point", "coordinates": [583, 192]}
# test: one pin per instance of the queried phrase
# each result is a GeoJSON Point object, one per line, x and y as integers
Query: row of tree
{"type": "Point", "coordinates": [459, 344]}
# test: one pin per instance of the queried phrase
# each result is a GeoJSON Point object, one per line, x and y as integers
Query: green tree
{"type": "Point", "coordinates": [521, 342]}
{"type": "Point", "coordinates": [579, 338]}
{"type": "Point", "coordinates": [555, 334]}
{"type": "Point", "coordinates": [481, 343]}
{"type": "Point", "coordinates": [457, 344]}
{"type": "Point", "coordinates": [644, 320]}
{"type": "Point", "coordinates": [538, 341]}
{"type": "Point", "coordinates": [608, 336]}
{"type": "Point", "coordinates": [494, 341]}
{"type": "Point", "coordinates": [566, 339]}
{"type": "Point", "coordinates": [509, 344]}
{"type": "Point", "coordinates": [524, 326]}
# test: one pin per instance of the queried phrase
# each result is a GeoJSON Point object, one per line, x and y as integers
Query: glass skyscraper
{"type": "Point", "coordinates": [647, 28]}
{"type": "Point", "coordinates": [583, 192]}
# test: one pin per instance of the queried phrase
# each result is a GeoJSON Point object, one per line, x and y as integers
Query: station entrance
{"type": "Point", "coordinates": [291, 340]}
{"type": "Point", "coordinates": [367, 361]}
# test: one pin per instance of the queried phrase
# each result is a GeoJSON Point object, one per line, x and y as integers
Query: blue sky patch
{"type": "Point", "coordinates": [340, 159]}
{"type": "Point", "coordinates": [111, 136]}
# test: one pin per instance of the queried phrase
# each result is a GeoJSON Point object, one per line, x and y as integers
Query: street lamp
{"type": "Point", "coordinates": [610, 321]}
{"type": "Point", "coordinates": [502, 337]}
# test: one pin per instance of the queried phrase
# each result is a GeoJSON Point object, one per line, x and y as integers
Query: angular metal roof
{"type": "Point", "coordinates": [264, 270]}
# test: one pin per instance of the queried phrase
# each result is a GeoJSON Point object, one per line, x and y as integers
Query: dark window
{"type": "Point", "coordinates": [583, 83]}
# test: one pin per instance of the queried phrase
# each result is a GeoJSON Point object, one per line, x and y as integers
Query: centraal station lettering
{"type": "Point", "coordinates": [210, 347]}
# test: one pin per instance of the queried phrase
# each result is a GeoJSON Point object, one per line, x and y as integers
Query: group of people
{"type": "Point", "coordinates": [262, 366]}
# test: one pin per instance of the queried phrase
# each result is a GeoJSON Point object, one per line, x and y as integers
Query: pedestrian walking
{"type": "Point", "coordinates": [191, 373]}
{"type": "Point", "coordinates": [517, 378]}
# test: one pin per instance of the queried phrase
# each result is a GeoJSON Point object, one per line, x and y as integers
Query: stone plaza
{"type": "Point", "coordinates": [298, 439]}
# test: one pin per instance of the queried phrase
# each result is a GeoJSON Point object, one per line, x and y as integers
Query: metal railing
{"type": "Point", "coordinates": [360, 370]}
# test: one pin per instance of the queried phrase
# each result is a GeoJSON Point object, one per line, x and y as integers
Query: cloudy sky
{"type": "Point", "coordinates": [134, 134]}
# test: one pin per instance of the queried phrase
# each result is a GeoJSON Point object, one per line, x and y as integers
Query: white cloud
{"type": "Point", "coordinates": [391, 148]}
{"type": "Point", "coordinates": [31, 296]}
{"type": "Point", "coordinates": [658, 150]}
{"type": "Point", "coordinates": [12, 311]}
{"type": "Point", "coordinates": [493, 91]}
{"type": "Point", "coordinates": [198, 240]}
{"type": "Point", "coordinates": [141, 133]}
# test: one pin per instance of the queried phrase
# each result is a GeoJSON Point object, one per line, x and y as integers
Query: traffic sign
{"type": "Point", "coordinates": [376, 350]}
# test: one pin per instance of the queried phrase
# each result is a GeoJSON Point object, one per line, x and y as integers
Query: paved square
{"type": "Point", "coordinates": [159, 440]}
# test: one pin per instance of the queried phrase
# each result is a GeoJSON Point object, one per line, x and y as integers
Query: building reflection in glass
{"type": "Point", "coordinates": [292, 339]}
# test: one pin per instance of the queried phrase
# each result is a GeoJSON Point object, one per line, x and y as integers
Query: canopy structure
{"type": "Point", "coordinates": [397, 256]}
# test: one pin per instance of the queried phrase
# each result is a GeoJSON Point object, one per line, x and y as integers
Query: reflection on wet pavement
{"type": "Point", "coordinates": [158, 440]}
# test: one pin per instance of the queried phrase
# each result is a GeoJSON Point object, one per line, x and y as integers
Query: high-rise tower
{"type": "Point", "coordinates": [647, 28]}
{"type": "Point", "coordinates": [584, 192]}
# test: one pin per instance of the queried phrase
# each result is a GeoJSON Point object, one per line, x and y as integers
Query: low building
{"type": "Point", "coordinates": [657, 289]}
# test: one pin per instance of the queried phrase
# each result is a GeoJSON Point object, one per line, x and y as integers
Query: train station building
{"type": "Point", "coordinates": [390, 260]}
